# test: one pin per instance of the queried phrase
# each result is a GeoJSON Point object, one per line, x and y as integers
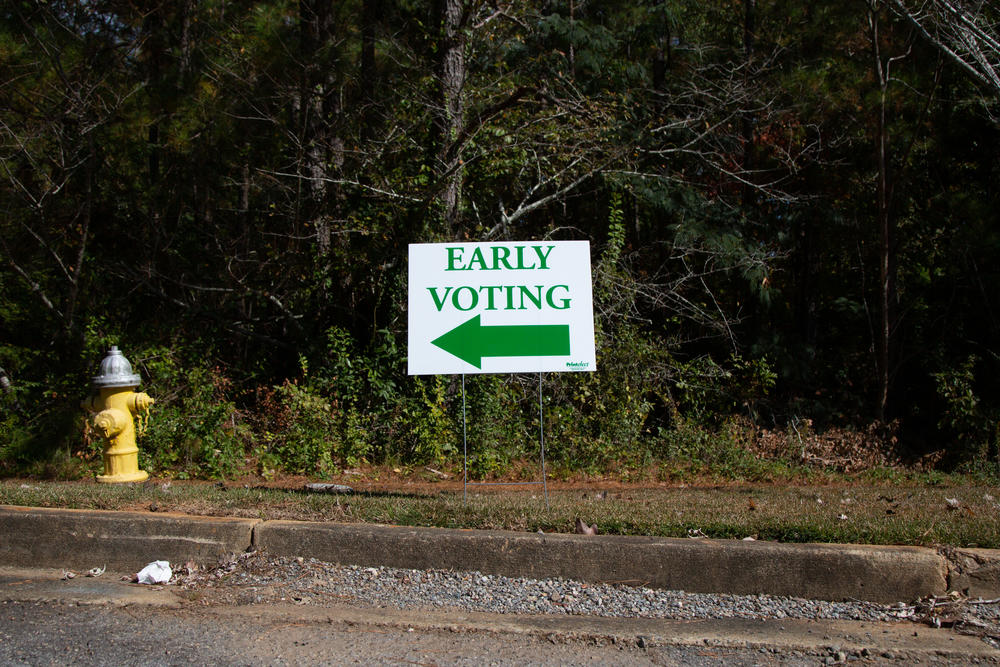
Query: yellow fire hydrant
{"type": "Point", "coordinates": [113, 407]}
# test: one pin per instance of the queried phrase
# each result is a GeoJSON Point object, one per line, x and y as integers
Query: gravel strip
{"type": "Point", "coordinates": [255, 578]}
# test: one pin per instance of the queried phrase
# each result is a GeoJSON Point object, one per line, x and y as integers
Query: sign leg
{"type": "Point", "coordinates": [465, 451]}
{"type": "Point", "coordinates": [541, 440]}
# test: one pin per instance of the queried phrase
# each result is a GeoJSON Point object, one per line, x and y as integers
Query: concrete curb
{"type": "Point", "coordinates": [122, 541]}
{"type": "Point", "coordinates": [818, 571]}
{"type": "Point", "coordinates": [126, 541]}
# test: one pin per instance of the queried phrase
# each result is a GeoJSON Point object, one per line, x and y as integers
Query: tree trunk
{"type": "Point", "coordinates": [887, 283]}
{"type": "Point", "coordinates": [453, 73]}
{"type": "Point", "coordinates": [369, 73]}
{"type": "Point", "coordinates": [323, 151]}
{"type": "Point", "coordinates": [662, 52]}
{"type": "Point", "coordinates": [154, 46]}
{"type": "Point", "coordinates": [747, 121]}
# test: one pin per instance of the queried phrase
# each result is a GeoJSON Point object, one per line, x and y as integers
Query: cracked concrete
{"type": "Point", "coordinates": [973, 572]}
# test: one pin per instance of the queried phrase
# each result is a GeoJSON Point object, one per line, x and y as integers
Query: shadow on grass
{"type": "Point", "coordinates": [305, 492]}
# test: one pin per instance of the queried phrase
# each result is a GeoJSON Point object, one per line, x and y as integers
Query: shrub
{"type": "Point", "coordinates": [965, 419]}
{"type": "Point", "coordinates": [194, 428]}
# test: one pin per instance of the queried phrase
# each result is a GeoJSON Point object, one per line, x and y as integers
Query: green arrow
{"type": "Point", "coordinates": [470, 341]}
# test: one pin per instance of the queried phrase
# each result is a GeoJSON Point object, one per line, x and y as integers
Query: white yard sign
{"type": "Point", "coordinates": [500, 308]}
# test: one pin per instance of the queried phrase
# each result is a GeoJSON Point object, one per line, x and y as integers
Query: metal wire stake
{"type": "Point", "coordinates": [541, 440]}
{"type": "Point", "coordinates": [465, 451]}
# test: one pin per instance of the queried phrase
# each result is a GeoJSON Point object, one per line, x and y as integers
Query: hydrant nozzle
{"type": "Point", "coordinates": [114, 407]}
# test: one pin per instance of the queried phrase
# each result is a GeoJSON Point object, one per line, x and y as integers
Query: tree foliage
{"type": "Point", "coordinates": [792, 206]}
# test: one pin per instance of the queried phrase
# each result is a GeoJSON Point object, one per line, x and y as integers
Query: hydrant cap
{"type": "Point", "coordinates": [116, 371]}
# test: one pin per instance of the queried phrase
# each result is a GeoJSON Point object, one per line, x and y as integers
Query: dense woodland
{"type": "Point", "coordinates": [793, 209]}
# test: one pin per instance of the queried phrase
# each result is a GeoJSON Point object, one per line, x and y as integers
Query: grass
{"type": "Point", "coordinates": [955, 511]}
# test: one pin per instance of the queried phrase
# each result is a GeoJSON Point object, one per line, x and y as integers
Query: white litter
{"type": "Point", "coordinates": [157, 572]}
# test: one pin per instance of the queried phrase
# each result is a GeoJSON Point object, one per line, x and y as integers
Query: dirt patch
{"type": "Point", "coordinates": [843, 450]}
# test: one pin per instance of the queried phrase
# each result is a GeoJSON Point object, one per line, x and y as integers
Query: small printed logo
{"type": "Point", "coordinates": [577, 365]}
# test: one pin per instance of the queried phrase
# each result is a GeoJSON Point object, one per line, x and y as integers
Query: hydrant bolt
{"type": "Point", "coordinates": [111, 422]}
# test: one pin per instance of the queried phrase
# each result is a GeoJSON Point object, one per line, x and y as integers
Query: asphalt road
{"type": "Point", "coordinates": [48, 621]}
{"type": "Point", "coordinates": [48, 633]}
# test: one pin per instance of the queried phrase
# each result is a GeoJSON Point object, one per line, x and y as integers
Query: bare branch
{"type": "Point", "coordinates": [966, 31]}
